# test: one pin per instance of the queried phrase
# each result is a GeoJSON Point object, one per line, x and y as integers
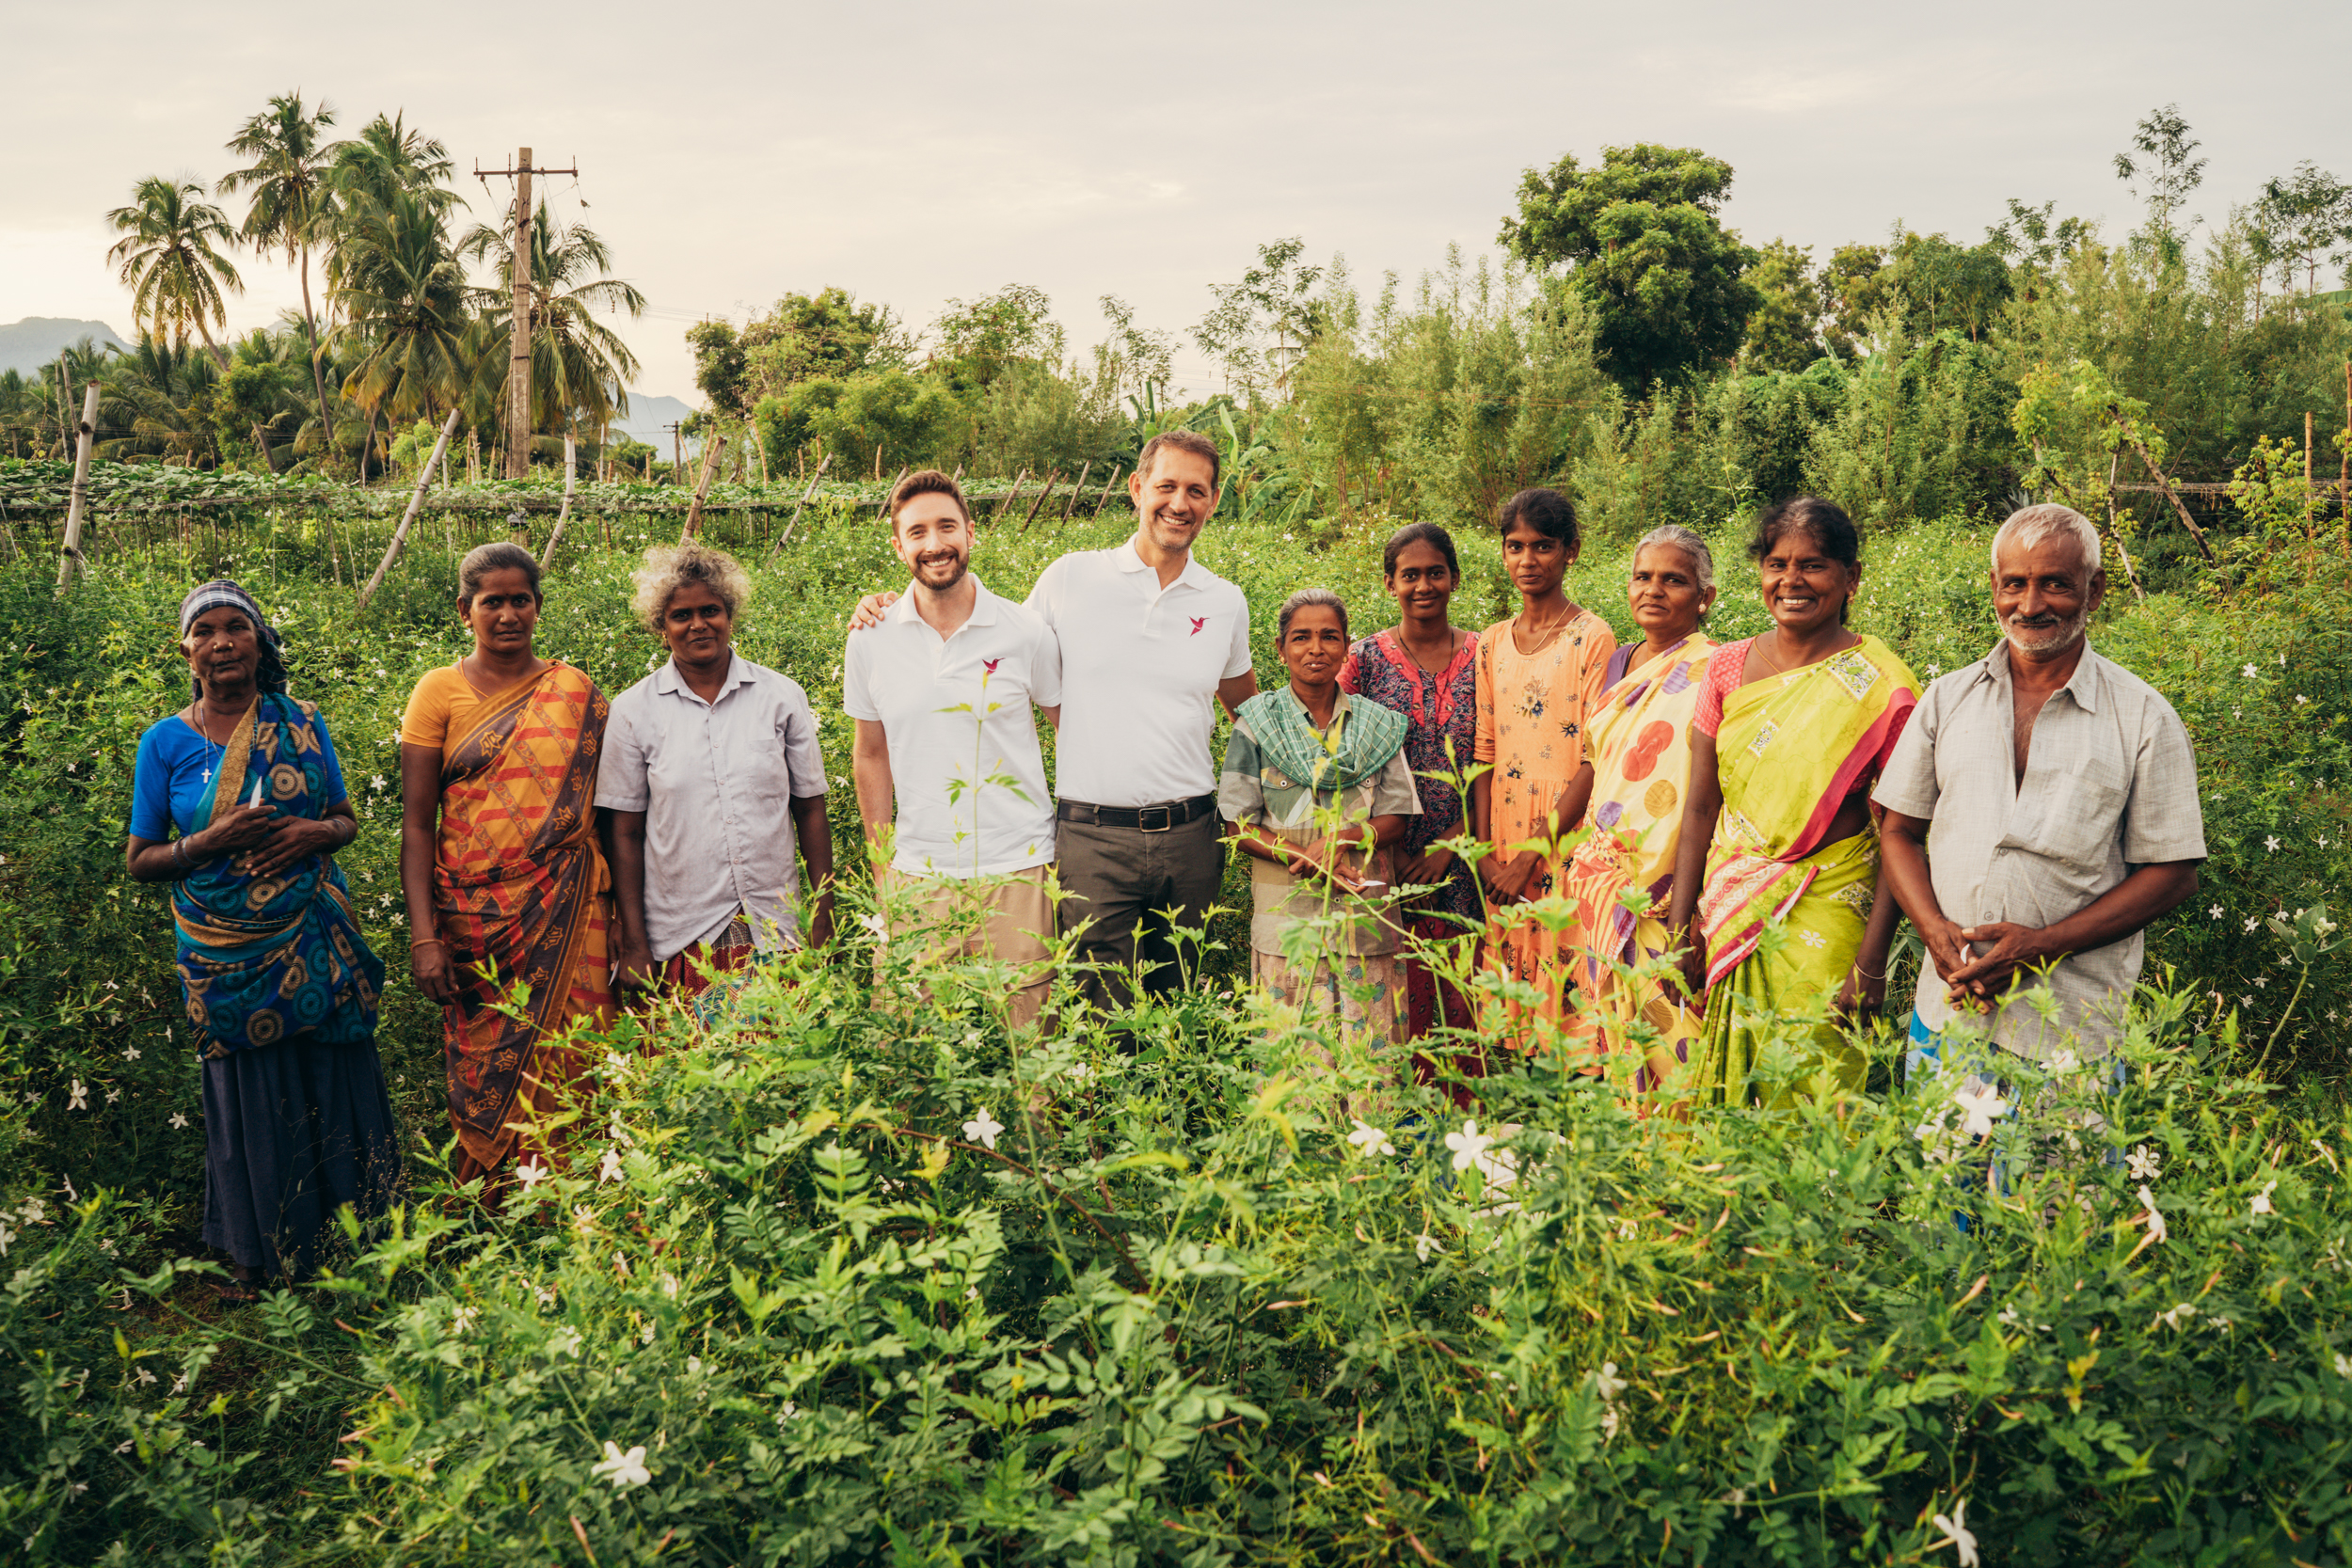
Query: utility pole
{"type": "Point", "coordinates": [518, 353]}
{"type": "Point", "coordinates": [678, 454]}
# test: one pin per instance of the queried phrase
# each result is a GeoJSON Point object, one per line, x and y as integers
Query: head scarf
{"type": "Point", "coordinates": [270, 673]}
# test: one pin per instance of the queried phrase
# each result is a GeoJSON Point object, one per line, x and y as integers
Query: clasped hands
{"type": "Point", "coordinates": [270, 840]}
{"type": "Point", "coordinates": [1978, 979]}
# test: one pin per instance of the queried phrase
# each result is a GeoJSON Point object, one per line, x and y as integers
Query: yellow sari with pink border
{"type": "Point", "coordinates": [1638, 740]}
{"type": "Point", "coordinates": [1790, 750]}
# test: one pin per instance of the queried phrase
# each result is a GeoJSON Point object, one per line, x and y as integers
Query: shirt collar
{"type": "Point", "coordinates": [1126, 560]}
{"type": "Point", "coordinates": [669, 682]}
{"type": "Point", "coordinates": [983, 607]}
{"type": "Point", "coordinates": [2084, 685]}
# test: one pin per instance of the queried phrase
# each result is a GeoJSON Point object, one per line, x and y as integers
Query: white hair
{"type": "Point", "coordinates": [2034, 525]}
{"type": "Point", "coordinates": [1675, 536]}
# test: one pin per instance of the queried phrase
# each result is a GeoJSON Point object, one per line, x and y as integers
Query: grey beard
{"type": "Point", "coordinates": [2057, 639]}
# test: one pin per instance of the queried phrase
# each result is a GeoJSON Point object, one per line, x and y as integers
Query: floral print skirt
{"type": "Point", "coordinates": [1364, 994]}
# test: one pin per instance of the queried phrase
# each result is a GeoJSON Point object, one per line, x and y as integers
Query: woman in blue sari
{"type": "Point", "coordinates": [239, 800]}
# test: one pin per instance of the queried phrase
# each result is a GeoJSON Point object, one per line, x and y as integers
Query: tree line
{"type": "Point", "coordinates": [393, 329]}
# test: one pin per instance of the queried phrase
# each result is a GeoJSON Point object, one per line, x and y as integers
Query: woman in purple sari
{"type": "Point", "coordinates": [1425, 668]}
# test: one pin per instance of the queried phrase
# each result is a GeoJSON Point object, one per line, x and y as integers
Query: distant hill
{"type": "Point", "coordinates": [648, 414]}
{"type": "Point", "coordinates": [29, 344]}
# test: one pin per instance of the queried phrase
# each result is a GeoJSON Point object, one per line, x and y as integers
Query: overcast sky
{"type": "Point", "coordinates": [914, 153]}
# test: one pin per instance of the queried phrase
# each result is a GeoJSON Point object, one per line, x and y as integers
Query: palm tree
{"type": "Point", "coordinates": [169, 258]}
{"type": "Point", "coordinates": [402, 300]}
{"type": "Point", "coordinates": [158, 392]}
{"type": "Point", "coordinates": [291, 203]}
{"type": "Point", "coordinates": [579, 368]}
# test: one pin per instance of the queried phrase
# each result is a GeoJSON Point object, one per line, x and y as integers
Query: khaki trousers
{"type": "Point", "coordinates": [1014, 912]}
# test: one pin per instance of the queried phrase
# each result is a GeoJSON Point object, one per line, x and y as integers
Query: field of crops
{"type": "Point", "coordinates": [1169, 1317]}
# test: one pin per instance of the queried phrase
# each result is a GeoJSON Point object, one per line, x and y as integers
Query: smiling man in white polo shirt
{"type": "Point", "coordinates": [946, 760]}
{"type": "Point", "coordinates": [1152, 640]}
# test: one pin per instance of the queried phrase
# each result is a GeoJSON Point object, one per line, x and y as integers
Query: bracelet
{"type": "Point", "coordinates": [426, 941]}
{"type": "Point", "coordinates": [1866, 973]}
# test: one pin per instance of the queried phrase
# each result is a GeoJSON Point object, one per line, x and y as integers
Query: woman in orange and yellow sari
{"type": "Point", "coordinates": [507, 891]}
{"type": "Point", "coordinates": [1791, 729]}
{"type": "Point", "coordinates": [1638, 742]}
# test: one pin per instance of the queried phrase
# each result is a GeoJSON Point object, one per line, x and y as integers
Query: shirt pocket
{"type": "Point", "coordinates": [2074, 816]}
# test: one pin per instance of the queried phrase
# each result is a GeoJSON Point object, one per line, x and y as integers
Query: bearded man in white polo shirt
{"type": "Point", "coordinates": [1152, 640]}
{"type": "Point", "coordinates": [947, 762]}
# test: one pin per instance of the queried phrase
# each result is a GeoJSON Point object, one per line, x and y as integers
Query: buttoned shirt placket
{"type": "Point", "coordinates": [729, 808]}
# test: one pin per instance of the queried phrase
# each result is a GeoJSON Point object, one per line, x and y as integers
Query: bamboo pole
{"type": "Point", "coordinates": [1042, 496]}
{"type": "Point", "coordinates": [1012, 499]}
{"type": "Point", "coordinates": [1077, 490]}
{"type": "Point", "coordinates": [2115, 458]}
{"type": "Point", "coordinates": [400, 535]}
{"type": "Point", "coordinates": [570, 468]}
{"type": "Point", "coordinates": [785, 537]}
{"type": "Point", "coordinates": [70, 558]}
{"type": "Point", "coordinates": [2163, 484]}
{"type": "Point", "coordinates": [1103, 500]}
{"type": "Point", "coordinates": [712, 446]}
{"type": "Point", "coordinates": [883, 505]}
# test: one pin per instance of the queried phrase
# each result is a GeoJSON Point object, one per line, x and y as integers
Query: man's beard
{"type": "Point", "coordinates": [925, 566]}
{"type": "Point", "coordinates": [2055, 637]}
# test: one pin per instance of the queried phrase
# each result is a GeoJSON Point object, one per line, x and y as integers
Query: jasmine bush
{"type": "Point", "coordinates": [841, 1272]}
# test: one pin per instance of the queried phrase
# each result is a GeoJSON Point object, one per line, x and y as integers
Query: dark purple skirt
{"type": "Point", "coordinates": [293, 1132]}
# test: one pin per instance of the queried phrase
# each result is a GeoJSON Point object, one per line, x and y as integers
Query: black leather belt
{"type": "Point", "coordinates": [1152, 819]}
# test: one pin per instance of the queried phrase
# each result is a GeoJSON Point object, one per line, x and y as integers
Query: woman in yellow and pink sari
{"type": "Point", "coordinates": [507, 891]}
{"type": "Point", "coordinates": [1790, 729]}
{"type": "Point", "coordinates": [1637, 741]}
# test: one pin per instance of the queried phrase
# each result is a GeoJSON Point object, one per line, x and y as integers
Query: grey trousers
{"type": "Point", "coordinates": [1127, 887]}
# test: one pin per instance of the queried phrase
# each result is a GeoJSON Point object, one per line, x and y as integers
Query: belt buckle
{"type": "Point", "coordinates": [1168, 818]}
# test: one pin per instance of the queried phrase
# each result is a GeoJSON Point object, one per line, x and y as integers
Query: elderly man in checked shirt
{"type": "Point", "coordinates": [2041, 813]}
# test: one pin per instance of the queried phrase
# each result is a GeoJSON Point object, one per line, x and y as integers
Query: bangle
{"type": "Point", "coordinates": [426, 941]}
{"type": "Point", "coordinates": [1866, 973]}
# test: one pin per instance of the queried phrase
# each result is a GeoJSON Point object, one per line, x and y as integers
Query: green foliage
{"type": "Point", "coordinates": [1668, 282]}
{"type": "Point", "coordinates": [1784, 328]}
{"type": "Point", "coordinates": [1200, 1322]}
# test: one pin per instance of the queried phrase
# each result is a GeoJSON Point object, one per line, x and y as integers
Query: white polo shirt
{"type": "Point", "coordinates": [999, 664]}
{"type": "Point", "coordinates": [1140, 669]}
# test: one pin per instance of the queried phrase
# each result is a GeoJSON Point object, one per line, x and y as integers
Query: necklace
{"type": "Point", "coordinates": [219, 750]}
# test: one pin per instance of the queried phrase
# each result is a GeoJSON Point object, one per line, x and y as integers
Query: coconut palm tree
{"type": "Point", "coordinates": [579, 368]}
{"type": "Point", "coordinates": [402, 300]}
{"type": "Point", "coordinates": [291, 203]}
{"type": "Point", "coordinates": [169, 257]}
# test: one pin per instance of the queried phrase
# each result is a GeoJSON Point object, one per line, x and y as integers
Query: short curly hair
{"type": "Point", "coordinates": [671, 567]}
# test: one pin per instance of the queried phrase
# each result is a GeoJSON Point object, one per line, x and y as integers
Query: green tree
{"type": "Point", "coordinates": [2307, 213]}
{"type": "Point", "coordinates": [1855, 289]}
{"type": "Point", "coordinates": [2168, 170]}
{"type": "Point", "coordinates": [1784, 331]}
{"type": "Point", "coordinates": [292, 205]}
{"type": "Point", "coordinates": [1274, 300]}
{"type": "Point", "coordinates": [979, 340]}
{"type": "Point", "coordinates": [1667, 280]}
{"type": "Point", "coordinates": [806, 335]}
{"type": "Point", "coordinates": [171, 256]}
{"type": "Point", "coordinates": [720, 364]}
{"type": "Point", "coordinates": [402, 299]}
{"type": "Point", "coordinates": [581, 368]}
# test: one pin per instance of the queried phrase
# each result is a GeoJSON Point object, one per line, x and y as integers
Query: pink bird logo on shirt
{"type": "Point", "coordinates": [990, 664]}
{"type": "Point", "coordinates": [1198, 622]}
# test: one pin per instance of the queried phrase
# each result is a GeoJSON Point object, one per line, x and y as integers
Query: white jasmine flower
{"type": "Point", "coordinates": [113, 1095]}
{"type": "Point", "coordinates": [130, 1052]}
{"type": "Point", "coordinates": [2155, 1216]}
{"type": "Point", "coordinates": [2215, 911]}
{"type": "Point", "coordinates": [624, 1470]}
{"type": "Point", "coordinates": [1610, 1421]}
{"type": "Point", "coordinates": [531, 1174]}
{"type": "Point", "coordinates": [982, 1129]}
{"type": "Point", "coordinates": [1629, 1232]}
{"type": "Point", "coordinates": [875, 927]}
{"type": "Point", "coordinates": [36, 1211]}
{"type": "Point", "coordinates": [1980, 1109]}
{"type": "Point", "coordinates": [2344, 1365]}
{"type": "Point", "coordinates": [546, 1294]}
{"type": "Point", "coordinates": [2248, 672]}
{"type": "Point", "coordinates": [461, 1321]}
{"type": "Point", "coordinates": [610, 1169]}
{"type": "Point", "coordinates": [565, 1343]}
{"type": "Point", "coordinates": [2261, 1199]}
{"type": "Point", "coordinates": [2271, 843]}
{"type": "Point", "coordinates": [669, 1286]}
{"type": "Point", "coordinates": [583, 1221]}
{"type": "Point", "coordinates": [79, 1099]}
{"type": "Point", "coordinates": [1079, 1070]}
{"type": "Point", "coordinates": [2171, 1319]}
{"type": "Point", "coordinates": [2251, 923]}
{"type": "Point", "coordinates": [1369, 1140]}
{"type": "Point", "coordinates": [1470, 1145]}
{"type": "Point", "coordinates": [644, 1335]}
{"type": "Point", "coordinates": [2144, 1164]}
{"type": "Point", "coordinates": [789, 1412]}
{"type": "Point", "coordinates": [1607, 1384]}
{"type": "Point", "coordinates": [177, 1121]}
{"type": "Point", "coordinates": [6, 1238]}
{"type": "Point", "coordinates": [2009, 1318]}
{"type": "Point", "coordinates": [694, 1366]}
{"type": "Point", "coordinates": [146, 1377]}
{"type": "Point", "coordinates": [1955, 1525]}
{"type": "Point", "coordinates": [1423, 1245]}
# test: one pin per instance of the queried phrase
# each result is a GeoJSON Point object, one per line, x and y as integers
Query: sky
{"type": "Point", "coordinates": [915, 153]}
